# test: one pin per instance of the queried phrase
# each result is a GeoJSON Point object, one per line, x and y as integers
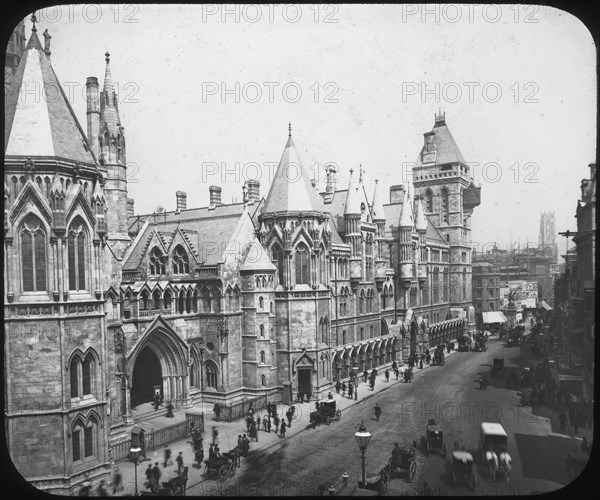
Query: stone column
{"type": "Point", "coordinates": [187, 401]}
{"type": "Point", "coordinates": [179, 385]}
{"type": "Point", "coordinates": [127, 417]}
{"type": "Point", "coordinates": [166, 389]}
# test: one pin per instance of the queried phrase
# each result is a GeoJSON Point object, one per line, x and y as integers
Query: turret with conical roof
{"type": "Point", "coordinates": [421, 227]}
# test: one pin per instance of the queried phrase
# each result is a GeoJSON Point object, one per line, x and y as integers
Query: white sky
{"type": "Point", "coordinates": [375, 61]}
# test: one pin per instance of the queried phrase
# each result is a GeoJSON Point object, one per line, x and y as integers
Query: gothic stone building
{"type": "Point", "coordinates": [293, 291]}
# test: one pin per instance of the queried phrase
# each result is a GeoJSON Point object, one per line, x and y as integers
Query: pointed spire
{"type": "Point", "coordinates": [290, 129]}
{"type": "Point", "coordinates": [98, 194]}
{"type": "Point", "coordinates": [406, 211]}
{"type": "Point", "coordinates": [108, 81]}
{"type": "Point", "coordinates": [57, 188]}
{"type": "Point", "coordinates": [360, 173]}
{"type": "Point", "coordinates": [352, 200]}
{"type": "Point", "coordinates": [420, 221]}
{"type": "Point", "coordinates": [377, 207]}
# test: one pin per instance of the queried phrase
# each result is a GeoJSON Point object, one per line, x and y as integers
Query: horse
{"type": "Point", "coordinates": [504, 465]}
{"type": "Point", "coordinates": [491, 460]}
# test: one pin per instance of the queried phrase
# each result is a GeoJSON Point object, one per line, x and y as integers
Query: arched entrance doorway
{"type": "Point", "coordinates": [147, 373]}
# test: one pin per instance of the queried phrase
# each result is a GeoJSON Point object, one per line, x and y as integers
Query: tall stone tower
{"type": "Point", "coordinates": [548, 233]}
{"type": "Point", "coordinates": [443, 180]}
{"type": "Point", "coordinates": [14, 53]}
{"type": "Point", "coordinates": [107, 137]}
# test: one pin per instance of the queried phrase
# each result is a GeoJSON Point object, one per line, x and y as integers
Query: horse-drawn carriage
{"type": "Point", "coordinates": [221, 467]}
{"type": "Point", "coordinates": [462, 468]}
{"type": "Point", "coordinates": [438, 355]}
{"type": "Point", "coordinates": [493, 446]}
{"type": "Point", "coordinates": [480, 342]}
{"type": "Point", "coordinates": [434, 438]}
{"type": "Point", "coordinates": [325, 413]}
{"type": "Point", "coordinates": [403, 462]}
{"type": "Point", "coordinates": [174, 487]}
{"type": "Point", "coordinates": [464, 341]}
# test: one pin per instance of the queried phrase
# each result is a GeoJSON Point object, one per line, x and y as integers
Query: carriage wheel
{"type": "Point", "coordinates": [412, 471]}
{"type": "Point", "coordinates": [328, 420]}
{"type": "Point", "coordinates": [338, 414]}
{"type": "Point", "coordinates": [232, 468]}
{"type": "Point", "coordinates": [223, 473]}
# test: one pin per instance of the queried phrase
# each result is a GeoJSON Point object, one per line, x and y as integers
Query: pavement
{"type": "Point", "coordinates": [228, 432]}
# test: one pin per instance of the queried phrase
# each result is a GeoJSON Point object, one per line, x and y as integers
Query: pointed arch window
{"type": "Point", "coordinates": [445, 207]}
{"type": "Point", "coordinates": [261, 303]}
{"type": "Point", "coordinates": [384, 297]}
{"type": "Point", "coordinates": [157, 262]}
{"type": "Point", "coordinates": [302, 265]}
{"type": "Point", "coordinates": [33, 255]}
{"type": "Point", "coordinates": [262, 357]}
{"type": "Point", "coordinates": [156, 299]}
{"type": "Point", "coordinates": [181, 302]}
{"type": "Point", "coordinates": [263, 381]}
{"type": "Point", "coordinates": [82, 375]}
{"type": "Point", "coordinates": [77, 256]}
{"type": "Point", "coordinates": [167, 300]}
{"type": "Point", "coordinates": [144, 301]}
{"type": "Point", "coordinates": [323, 266]}
{"type": "Point", "coordinates": [181, 262]}
{"type": "Point", "coordinates": [428, 201]}
{"type": "Point", "coordinates": [211, 375]}
{"type": "Point", "coordinates": [84, 440]}
{"type": "Point", "coordinates": [361, 303]}
{"type": "Point", "coordinates": [278, 259]}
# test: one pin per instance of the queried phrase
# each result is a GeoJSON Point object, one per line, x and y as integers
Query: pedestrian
{"type": "Point", "coordinates": [156, 471]}
{"type": "Point", "coordinates": [245, 445]}
{"type": "Point", "coordinates": [102, 491]}
{"type": "Point", "coordinates": [167, 456]}
{"type": "Point", "coordinates": [300, 397]}
{"type": "Point", "coordinates": [248, 423]}
{"type": "Point", "coordinates": [350, 389]}
{"type": "Point", "coordinates": [344, 389]}
{"type": "Point", "coordinates": [179, 461]}
{"type": "Point", "coordinates": [211, 452]}
{"type": "Point", "coordinates": [365, 376]}
{"type": "Point", "coordinates": [421, 362]}
{"type": "Point", "coordinates": [217, 411]}
{"type": "Point", "coordinates": [118, 480]}
{"type": "Point", "coordinates": [254, 431]}
{"type": "Point", "coordinates": [387, 375]}
{"type": "Point", "coordinates": [377, 411]}
{"type": "Point", "coordinates": [394, 365]}
{"type": "Point", "coordinates": [276, 422]}
{"type": "Point", "coordinates": [268, 424]}
{"type": "Point", "coordinates": [265, 423]}
{"type": "Point", "coordinates": [283, 427]}
{"type": "Point", "coordinates": [289, 416]}
{"type": "Point", "coordinates": [428, 357]}
{"type": "Point", "coordinates": [149, 473]}
{"type": "Point", "coordinates": [156, 401]}
{"type": "Point", "coordinates": [372, 383]}
{"type": "Point", "coordinates": [338, 386]}
{"type": "Point", "coordinates": [329, 395]}
{"type": "Point", "coordinates": [397, 372]}
{"type": "Point", "coordinates": [215, 435]}
{"type": "Point", "coordinates": [307, 397]}
{"type": "Point", "coordinates": [239, 441]}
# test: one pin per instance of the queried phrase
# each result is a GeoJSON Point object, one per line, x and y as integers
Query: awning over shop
{"type": "Point", "coordinates": [546, 306]}
{"type": "Point", "coordinates": [493, 317]}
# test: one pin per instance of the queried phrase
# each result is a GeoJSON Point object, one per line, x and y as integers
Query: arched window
{"type": "Point", "coordinates": [33, 255]}
{"type": "Point", "coordinates": [271, 310]}
{"type": "Point", "coordinates": [82, 376]}
{"type": "Point", "coordinates": [167, 300]}
{"type": "Point", "coordinates": [211, 375]}
{"type": "Point", "coordinates": [83, 438]}
{"type": "Point", "coordinates": [205, 301]}
{"type": "Point", "coordinates": [263, 380]}
{"type": "Point", "coordinates": [74, 376]}
{"type": "Point", "coordinates": [278, 259]}
{"type": "Point", "coordinates": [384, 297]}
{"type": "Point", "coordinates": [181, 304]}
{"type": "Point", "coordinates": [262, 357]}
{"type": "Point", "coordinates": [261, 303]}
{"type": "Point", "coordinates": [77, 256]}
{"type": "Point", "coordinates": [144, 301]}
{"type": "Point", "coordinates": [428, 201]}
{"type": "Point", "coordinates": [195, 301]}
{"type": "Point", "coordinates": [361, 302]}
{"type": "Point", "coordinates": [236, 296]}
{"type": "Point", "coordinates": [445, 207]}
{"type": "Point", "coordinates": [188, 302]}
{"type": "Point", "coordinates": [216, 300]}
{"type": "Point", "coordinates": [156, 299]}
{"type": "Point", "coordinates": [127, 307]}
{"type": "Point", "coordinates": [262, 330]}
{"type": "Point", "coordinates": [157, 262]}
{"type": "Point", "coordinates": [323, 266]}
{"type": "Point", "coordinates": [181, 263]}
{"type": "Point", "coordinates": [302, 265]}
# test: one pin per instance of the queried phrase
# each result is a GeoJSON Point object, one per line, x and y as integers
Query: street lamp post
{"type": "Point", "coordinates": [134, 455]}
{"type": "Point", "coordinates": [362, 438]}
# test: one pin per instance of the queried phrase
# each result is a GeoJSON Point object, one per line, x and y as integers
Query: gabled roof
{"type": "Point", "coordinates": [352, 206]}
{"type": "Point", "coordinates": [446, 148]}
{"type": "Point", "coordinates": [39, 124]}
{"type": "Point", "coordinates": [291, 189]}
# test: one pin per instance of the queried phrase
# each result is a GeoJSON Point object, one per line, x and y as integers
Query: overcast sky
{"type": "Point", "coordinates": [360, 84]}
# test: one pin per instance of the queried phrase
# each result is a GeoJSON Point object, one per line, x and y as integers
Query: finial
{"type": "Point", "coordinates": [351, 171]}
{"type": "Point", "coordinates": [360, 172]}
{"type": "Point", "coordinates": [290, 129]}
{"type": "Point", "coordinates": [107, 59]}
{"type": "Point", "coordinates": [33, 21]}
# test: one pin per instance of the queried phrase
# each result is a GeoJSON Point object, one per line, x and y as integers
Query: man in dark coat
{"type": "Point", "coordinates": [276, 423]}
{"type": "Point", "coordinates": [387, 375]}
{"type": "Point", "coordinates": [338, 386]}
{"type": "Point", "coordinates": [283, 427]}
{"type": "Point", "coordinates": [156, 471]}
{"type": "Point", "coordinates": [365, 376]}
{"type": "Point", "coordinates": [289, 416]}
{"type": "Point", "coordinates": [179, 461]}
{"type": "Point", "coordinates": [377, 411]}
{"type": "Point", "coordinates": [350, 389]}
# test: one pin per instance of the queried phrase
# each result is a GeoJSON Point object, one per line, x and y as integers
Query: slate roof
{"type": "Point", "coordinates": [41, 125]}
{"type": "Point", "coordinates": [208, 231]}
{"type": "Point", "coordinates": [446, 147]}
{"type": "Point", "coordinates": [392, 216]}
{"type": "Point", "coordinates": [291, 189]}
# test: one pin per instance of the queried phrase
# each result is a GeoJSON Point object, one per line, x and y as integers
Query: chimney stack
{"type": "Point", "coordinates": [253, 190]}
{"type": "Point", "coordinates": [92, 91]}
{"type": "Point", "coordinates": [130, 211]}
{"type": "Point", "coordinates": [330, 171]}
{"type": "Point", "coordinates": [396, 193]}
{"type": "Point", "coordinates": [181, 200]}
{"type": "Point", "coordinates": [215, 195]}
